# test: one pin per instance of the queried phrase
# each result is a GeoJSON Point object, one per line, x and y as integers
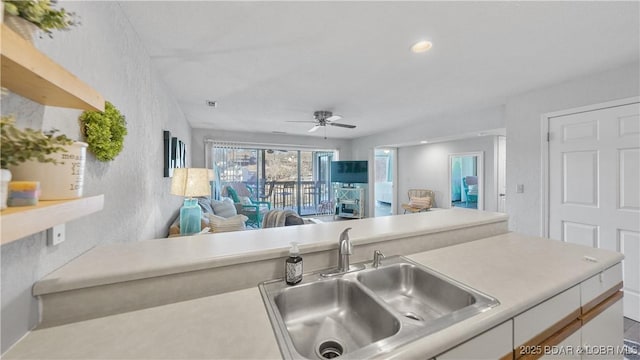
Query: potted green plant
{"type": "Point", "coordinates": [23, 145]}
{"type": "Point", "coordinates": [104, 131]}
{"type": "Point", "coordinates": [25, 16]}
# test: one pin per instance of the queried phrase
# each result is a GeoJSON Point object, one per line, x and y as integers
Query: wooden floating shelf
{"type": "Point", "coordinates": [20, 221]}
{"type": "Point", "coordinates": [29, 73]}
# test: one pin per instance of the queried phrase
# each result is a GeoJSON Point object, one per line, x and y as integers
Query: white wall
{"type": "Point", "coordinates": [106, 53]}
{"type": "Point", "coordinates": [427, 167]}
{"type": "Point", "coordinates": [199, 136]}
{"type": "Point", "coordinates": [446, 125]}
{"type": "Point", "coordinates": [437, 127]}
{"type": "Point", "coordinates": [523, 118]}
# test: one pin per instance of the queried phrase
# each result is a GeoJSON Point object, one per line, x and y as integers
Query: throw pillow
{"type": "Point", "coordinates": [245, 200]}
{"type": "Point", "coordinates": [224, 208]}
{"type": "Point", "coordinates": [420, 202]}
{"type": "Point", "coordinates": [205, 204]}
{"type": "Point", "coordinates": [219, 224]}
{"type": "Point", "coordinates": [293, 220]}
{"type": "Point", "coordinates": [174, 228]}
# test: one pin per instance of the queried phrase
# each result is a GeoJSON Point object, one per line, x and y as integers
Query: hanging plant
{"type": "Point", "coordinates": [104, 131]}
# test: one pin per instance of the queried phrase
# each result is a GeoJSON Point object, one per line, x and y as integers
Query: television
{"type": "Point", "coordinates": [349, 172]}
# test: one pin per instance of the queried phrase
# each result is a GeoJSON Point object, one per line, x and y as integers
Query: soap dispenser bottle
{"type": "Point", "coordinates": [293, 265]}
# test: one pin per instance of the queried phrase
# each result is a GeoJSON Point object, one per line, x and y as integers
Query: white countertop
{"type": "Point", "coordinates": [519, 271]}
{"type": "Point", "coordinates": [114, 263]}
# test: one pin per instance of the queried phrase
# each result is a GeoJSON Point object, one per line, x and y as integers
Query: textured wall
{"type": "Point", "coordinates": [427, 167]}
{"type": "Point", "coordinates": [523, 117]}
{"type": "Point", "coordinates": [106, 53]}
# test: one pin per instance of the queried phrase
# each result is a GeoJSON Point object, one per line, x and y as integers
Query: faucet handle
{"type": "Point", "coordinates": [377, 258]}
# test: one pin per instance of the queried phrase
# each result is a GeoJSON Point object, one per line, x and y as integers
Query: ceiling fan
{"type": "Point", "coordinates": [322, 118]}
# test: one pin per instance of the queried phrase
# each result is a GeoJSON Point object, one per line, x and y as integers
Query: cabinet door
{"type": "Point", "coordinates": [492, 344]}
{"type": "Point", "coordinates": [569, 348]}
{"type": "Point", "coordinates": [602, 336]}
{"type": "Point", "coordinates": [535, 325]}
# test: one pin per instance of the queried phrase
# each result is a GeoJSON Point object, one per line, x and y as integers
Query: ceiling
{"type": "Point", "coordinates": [267, 63]}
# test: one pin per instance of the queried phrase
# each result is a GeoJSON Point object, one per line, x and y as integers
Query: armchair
{"type": "Point", "coordinates": [470, 187]}
{"type": "Point", "coordinates": [419, 200]}
{"type": "Point", "coordinates": [253, 210]}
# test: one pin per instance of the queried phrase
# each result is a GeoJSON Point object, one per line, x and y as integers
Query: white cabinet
{"type": "Point", "coordinates": [567, 349]}
{"type": "Point", "coordinates": [495, 343]}
{"type": "Point", "coordinates": [350, 202]}
{"type": "Point", "coordinates": [582, 322]}
{"type": "Point", "coordinates": [602, 321]}
{"type": "Point", "coordinates": [602, 336]}
{"type": "Point", "coordinates": [540, 322]}
{"type": "Point", "coordinates": [597, 288]}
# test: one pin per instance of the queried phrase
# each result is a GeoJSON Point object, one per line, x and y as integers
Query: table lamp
{"type": "Point", "coordinates": [190, 183]}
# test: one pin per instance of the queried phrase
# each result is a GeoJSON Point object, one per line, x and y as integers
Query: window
{"type": "Point", "coordinates": [289, 178]}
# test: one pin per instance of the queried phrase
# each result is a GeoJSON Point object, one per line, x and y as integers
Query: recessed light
{"type": "Point", "coordinates": [423, 142]}
{"type": "Point", "coordinates": [421, 46]}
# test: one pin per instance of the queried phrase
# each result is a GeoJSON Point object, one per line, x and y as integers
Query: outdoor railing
{"type": "Point", "coordinates": [312, 197]}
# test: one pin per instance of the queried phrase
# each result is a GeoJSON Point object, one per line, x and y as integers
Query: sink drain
{"type": "Point", "coordinates": [413, 316]}
{"type": "Point", "coordinates": [330, 349]}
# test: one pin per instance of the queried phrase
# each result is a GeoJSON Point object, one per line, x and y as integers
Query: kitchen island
{"type": "Point", "coordinates": [521, 272]}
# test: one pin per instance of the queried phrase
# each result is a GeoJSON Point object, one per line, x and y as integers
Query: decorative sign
{"type": "Point", "coordinates": [175, 154]}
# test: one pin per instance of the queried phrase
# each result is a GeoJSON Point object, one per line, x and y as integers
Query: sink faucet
{"type": "Point", "coordinates": [344, 250]}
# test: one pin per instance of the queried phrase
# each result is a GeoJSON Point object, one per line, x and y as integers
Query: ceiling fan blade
{"type": "Point", "coordinates": [314, 128]}
{"type": "Point", "coordinates": [333, 118]}
{"type": "Point", "coordinates": [343, 125]}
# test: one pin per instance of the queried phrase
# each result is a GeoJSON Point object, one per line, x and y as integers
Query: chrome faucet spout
{"type": "Point", "coordinates": [344, 235]}
{"type": "Point", "coordinates": [344, 250]}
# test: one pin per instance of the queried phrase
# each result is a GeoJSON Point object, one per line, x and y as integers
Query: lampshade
{"type": "Point", "coordinates": [191, 182]}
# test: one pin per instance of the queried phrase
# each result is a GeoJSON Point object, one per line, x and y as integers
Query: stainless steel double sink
{"type": "Point", "coordinates": [368, 312]}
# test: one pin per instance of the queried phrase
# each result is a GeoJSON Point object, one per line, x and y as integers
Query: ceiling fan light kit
{"type": "Point", "coordinates": [322, 118]}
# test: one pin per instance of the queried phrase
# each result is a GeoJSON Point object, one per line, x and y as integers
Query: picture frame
{"type": "Point", "coordinates": [175, 154]}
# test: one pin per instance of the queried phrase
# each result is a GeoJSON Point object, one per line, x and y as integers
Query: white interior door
{"type": "Point", "coordinates": [594, 186]}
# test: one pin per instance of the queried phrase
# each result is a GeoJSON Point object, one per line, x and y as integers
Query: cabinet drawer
{"type": "Point", "coordinates": [538, 323]}
{"type": "Point", "coordinates": [599, 287]}
{"type": "Point", "coordinates": [492, 344]}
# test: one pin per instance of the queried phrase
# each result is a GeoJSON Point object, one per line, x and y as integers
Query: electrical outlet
{"type": "Point", "coordinates": [55, 235]}
{"type": "Point", "coordinates": [520, 188]}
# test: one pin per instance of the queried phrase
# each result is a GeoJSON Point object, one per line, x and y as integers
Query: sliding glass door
{"type": "Point", "coordinates": [295, 180]}
{"type": "Point", "coordinates": [281, 170]}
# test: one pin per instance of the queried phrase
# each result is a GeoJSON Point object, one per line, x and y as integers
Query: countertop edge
{"type": "Point", "coordinates": [446, 339]}
{"type": "Point", "coordinates": [53, 284]}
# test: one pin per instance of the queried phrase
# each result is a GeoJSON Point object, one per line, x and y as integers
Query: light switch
{"type": "Point", "coordinates": [520, 188]}
{"type": "Point", "coordinates": [55, 235]}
